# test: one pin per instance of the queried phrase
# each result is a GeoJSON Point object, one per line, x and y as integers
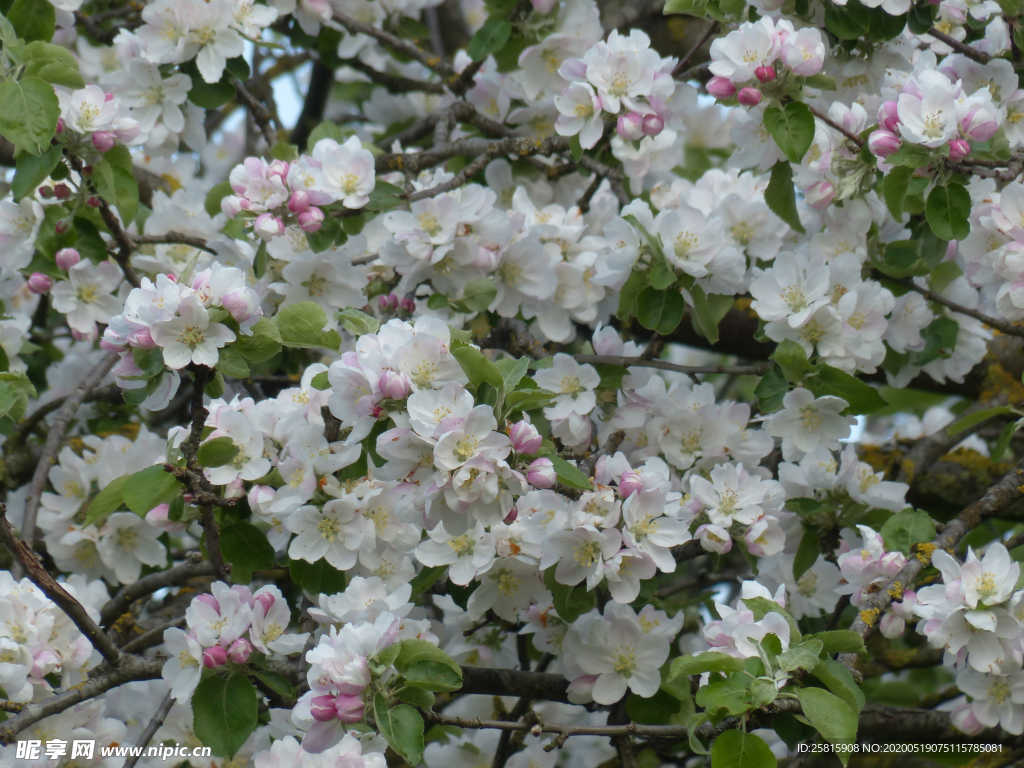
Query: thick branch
{"type": "Point", "coordinates": [513, 682]}
{"type": "Point", "coordinates": [320, 81]}
{"type": "Point", "coordinates": [430, 61]}
{"type": "Point", "coordinates": [55, 438]}
{"type": "Point", "coordinates": [53, 590]}
{"type": "Point", "coordinates": [172, 577]}
{"type": "Point", "coordinates": [738, 370]}
{"type": "Point", "coordinates": [959, 46]}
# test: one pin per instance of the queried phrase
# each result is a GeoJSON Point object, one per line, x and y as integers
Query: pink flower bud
{"type": "Point", "coordinates": [242, 304]}
{"type": "Point", "coordinates": [653, 125]}
{"type": "Point", "coordinates": [749, 97]}
{"type": "Point", "coordinates": [721, 87]}
{"type": "Point", "coordinates": [882, 143]}
{"type": "Point", "coordinates": [630, 126]}
{"type": "Point", "coordinates": [525, 437]}
{"type": "Point", "coordinates": [66, 258]}
{"type": "Point", "coordinates": [143, 338]}
{"type": "Point", "coordinates": [511, 517]}
{"type": "Point", "coordinates": [958, 149]}
{"type": "Point", "coordinates": [232, 205]}
{"type": "Point", "coordinates": [541, 473]}
{"type": "Point", "coordinates": [60, 125]}
{"type": "Point", "coordinates": [820, 195]}
{"type": "Point", "coordinates": [240, 651]}
{"type": "Point", "coordinates": [765, 74]}
{"type": "Point", "coordinates": [630, 483]}
{"type": "Point", "coordinates": [323, 709]}
{"type": "Point", "coordinates": [543, 7]}
{"type": "Point", "coordinates": [215, 657]}
{"type": "Point", "coordinates": [107, 96]}
{"type": "Point", "coordinates": [888, 116]}
{"type": "Point", "coordinates": [103, 140]}
{"type": "Point", "coordinates": [298, 202]}
{"type": "Point", "coordinates": [46, 192]}
{"type": "Point", "coordinates": [40, 283]}
{"type": "Point", "coordinates": [408, 304]}
{"type": "Point", "coordinates": [395, 385]}
{"type": "Point", "coordinates": [93, 202]}
{"type": "Point", "coordinates": [348, 708]}
{"type": "Point", "coordinates": [62, 226]}
{"type": "Point", "coordinates": [311, 219]}
{"type": "Point", "coordinates": [388, 302]}
{"type": "Point", "coordinates": [266, 600]}
{"type": "Point", "coordinates": [278, 168]}
{"type": "Point", "coordinates": [61, 191]}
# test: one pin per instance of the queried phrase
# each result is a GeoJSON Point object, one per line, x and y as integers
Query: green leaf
{"type": "Point", "coordinates": [321, 381]}
{"type": "Point", "coordinates": [477, 367]}
{"type": "Point", "coordinates": [861, 398]}
{"type": "Point", "coordinates": [570, 475]}
{"type": "Point", "coordinates": [282, 150]}
{"type": "Point", "coordinates": [849, 22]}
{"type": "Point", "coordinates": [839, 680]}
{"type": "Point", "coordinates": [705, 317]}
{"type": "Point", "coordinates": [414, 650]}
{"type": "Point", "coordinates": [385, 196]}
{"type": "Point", "coordinates": [792, 128]}
{"type": "Point", "coordinates": [52, 63]}
{"type": "Point", "coordinates": [575, 148]}
{"type": "Point", "coordinates": [662, 276]}
{"type": "Point", "coordinates": [947, 211]}
{"type": "Point", "coordinates": [940, 337]}
{"type": "Point", "coordinates": [801, 656]}
{"type": "Point", "coordinates": [29, 117]}
{"type": "Point", "coordinates": [489, 39]}
{"type": "Point", "coordinates": [771, 390]}
{"type": "Point", "coordinates": [781, 195]}
{"type": "Point", "coordinates": [512, 371]}
{"type": "Point", "coordinates": [217, 452]}
{"type": "Point", "coordinates": [731, 695]}
{"type": "Point", "coordinates": [821, 81]}
{"type": "Point", "coordinates": [107, 501]}
{"type": "Point", "coordinates": [275, 682]}
{"type": "Point", "coordinates": [126, 194]}
{"type": "Point", "coordinates": [656, 710]}
{"type": "Point", "coordinates": [977, 417]}
{"type": "Point", "coordinates": [326, 130]}
{"type": "Point", "coordinates": [433, 676]}
{"type": "Point", "coordinates": [417, 697]}
{"type": "Point", "coordinates": [736, 749]}
{"type": "Point", "coordinates": [906, 528]}
{"type": "Point", "coordinates": [840, 641]}
{"type": "Point", "coordinates": [208, 95]}
{"type": "Point", "coordinates": [831, 716]}
{"type": "Point", "coordinates": [1003, 442]}
{"type": "Point", "coordinates": [302, 325]}
{"type": "Point", "coordinates": [317, 578]}
{"type": "Point", "coordinates": [263, 343]}
{"type": "Point", "coordinates": [245, 545]}
{"type": "Point", "coordinates": [330, 232]}
{"type": "Point", "coordinates": [910, 155]}
{"type": "Point", "coordinates": [660, 311]}
{"type": "Point", "coordinates": [571, 602]}
{"type": "Point", "coordinates": [33, 20]}
{"type": "Point", "coordinates": [709, 661]}
{"type": "Point", "coordinates": [150, 488]}
{"type": "Point", "coordinates": [894, 189]}
{"type": "Point", "coordinates": [478, 294]}
{"type": "Point", "coordinates": [807, 553]}
{"type": "Point", "coordinates": [224, 713]}
{"type": "Point", "coordinates": [402, 727]}
{"type": "Point", "coordinates": [528, 400]}
{"type": "Point", "coordinates": [33, 171]}
{"type": "Point", "coordinates": [217, 193]}
{"type": "Point", "coordinates": [231, 363]}
{"type": "Point", "coordinates": [425, 579]}
{"type": "Point", "coordinates": [634, 284]}
{"type": "Point", "coordinates": [792, 360]}
{"type": "Point", "coordinates": [358, 323]}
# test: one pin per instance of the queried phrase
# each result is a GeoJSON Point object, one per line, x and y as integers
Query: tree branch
{"type": "Point", "coordinates": [691, 370]}
{"type": "Point", "coordinates": [55, 438]}
{"type": "Point", "coordinates": [1003, 326]}
{"type": "Point", "coordinates": [434, 63]}
{"type": "Point", "coordinates": [195, 567]}
{"type": "Point", "coordinates": [960, 47]}
{"type": "Point", "coordinates": [172, 238]}
{"type": "Point", "coordinates": [154, 725]}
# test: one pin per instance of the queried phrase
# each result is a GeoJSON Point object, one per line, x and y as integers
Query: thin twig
{"type": "Point", "coordinates": [430, 61]}
{"type": "Point", "coordinates": [960, 47]}
{"type": "Point", "coordinates": [153, 637]}
{"type": "Point", "coordinates": [147, 735]}
{"type": "Point", "coordinates": [260, 114]}
{"type": "Point", "coordinates": [685, 61]}
{"type": "Point", "coordinates": [1003, 326]}
{"type": "Point", "coordinates": [691, 370]}
{"type": "Point", "coordinates": [394, 83]}
{"type": "Point", "coordinates": [55, 438]}
{"type": "Point", "coordinates": [170, 238]}
{"type": "Point", "coordinates": [193, 568]}
{"type": "Point", "coordinates": [833, 124]}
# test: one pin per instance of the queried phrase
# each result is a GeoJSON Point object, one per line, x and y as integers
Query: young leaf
{"type": "Point", "coordinates": [839, 680]}
{"type": "Point", "coordinates": [781, 195]}
{"type": "Point", "coordinates": [831, 716]}
{"type": "Point", "coordinates": [861, 398]}
{"type": "Point", "coordinates": [224, 713]}
{"type": "Point", "coordinates": [402, 727]}
{"type": "Point", "coordinates": [792, 128]}
{"type": "Point", "coordinates": [245, 545]}
{"type": "Point", "coordinates": [736, 749]}
{"type": "Point", "coordinates": [839, 641]}
{"type": "Point", "coordinates": [894, 189]}
{"type": "Point", "coordinates": [433, 676]}
{"type": "Point", "coordinates": [709, 661]}
{"type": "Point", "coordinates": [947, 211]}
{"type": "Point", "coordinates": [302, 325]}
{"type": "Point", "coordinates": [570, 475]}
{"type": "Point", "coordinates": [150, 488]}
{"type": "Point", "coordinates": [489, 39]}
{"type": "Point", "coordinates": [358, 323]}
{"type": "Point", "coordinates": [217, 452]}
{"type": "Point", "coordinates": [29, 117]}
{"type": "Point", "coordinates": [906, 528]}
{"type": "Point", "coordinates": [108, 500]}
{"type": "Point", "coordinates": [976, 418]}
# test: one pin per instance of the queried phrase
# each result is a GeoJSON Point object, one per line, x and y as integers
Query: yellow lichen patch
{"type": "Point", "coordinates": [923, 552]}
{"type": "Point", "coordinates": [907, 468]}
{"type": "Point", "coordinates": [881, 460]}
{"type": "Point", "coordinates": [998, 381]}
{"type": "Point", "coordinates": [896, 591]}
{"type": "Point", "coordinates": [870, 616]}
{"type": "Point", "coordinates": [743, 305]}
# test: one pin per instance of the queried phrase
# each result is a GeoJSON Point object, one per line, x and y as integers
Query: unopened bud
{"type": "Point", "coordinates": [630, 483]}
{"type": "Point", "coordinates": [541, 473]}
{"type": "Point", "coordinates": [311, 219]}
{"type": "Point", "coordinates": [66, 258]}
{"type": "Point", "coordinates": [749, 97]}
{"type": "Point", "coordinates": [103, 140]}
{"type": "Point", "coordinates": [298, 202]}
{"type": "Point", "coordinates": [40, 283]}
{"type": "Point", "coordinates": [408, 304]}
{"type": "Point", "coordinates": [240, 651]}
{"type": "Point", "coordinates": [266, 600]}
{"type": "Point", "coordinates": [630, 126]}
{"type": "Point", "coordinates": [61, 191]}
{"type": "Point", "coordinates": [395, 385]}
{"type": "Point", "coordinates": [349, 708]}
{"type": "Point", "coordinates": [765, 74]}
{"type": "Point", "coordinates": [46, 192]}
{"type": "Point", "coordinates": [94, 202]}
{"type": "Point", "coordinates": [653, 125]}
{"type": "Point", "coordinates": [215, 657]}
{"type": "Point", "coordinates": [721, 87]}
{"type": "Point", "coordinates": [323, 709]}
{"type": "Point", "coordinates": [958, 149]}
{"type": "Point", "coordinates": [525, 437]}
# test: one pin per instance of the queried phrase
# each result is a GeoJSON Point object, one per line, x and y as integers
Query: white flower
{"type": "Point", "coordinates": [211, 31]}
{"type": "Point", "coordinates": [690, 240]}
{"type": "Point", "coordinates": [86, 297]}
{"type": "Point", "coordinates": [88, 109]}
{"type": "Point", "coordinates": [791, 288]}
{"type": "Point", "coordinates": [650, 529]}
{"type": "Point", "coordinates": [580, 554]}
{"type": "Point", "coordinates": [732, 495]}
{"type": "Point", "coordinates": [743, 50]}
{"type": "Point", "coordinates": [467, 556]}
{"type": "Point", "coordinates": [184, 668]}
{"type": "Point", "coordinates": [572, 383]}
{"type": "Point", "coordinates": [221, 617]}
{"type": "Point", "coordinates": [927, 109]}
{"type": "Point", "coordinates": [990, 580]}
{"type": "Point", "coordinates": [348, 170]}
{"type": "Point", "coordinates": [805, 422]}
{"type": "Point", "coordinates": [998, 700]}
{"type": "Point", "coordinates": [191, 337]}
{"type": "Point", "coordinates": [509, 587]}
{"type": "Point", "coordinates": [622, 657]}
{"type": "Point", "coordinates": [580, 113]}
{"type": "Point", "coordinates": [127, 542]}
{"type": "Point", "coordinates": [19, 225]}
{"type": "Point", "coordinates": [335, 533]}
